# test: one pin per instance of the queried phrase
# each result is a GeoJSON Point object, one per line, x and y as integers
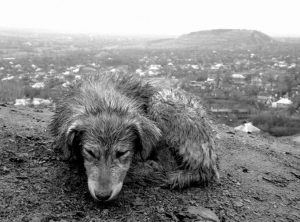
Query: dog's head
{"type": "Point", "coordinates": [107, 144]}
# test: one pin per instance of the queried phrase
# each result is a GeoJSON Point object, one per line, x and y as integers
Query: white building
{"type": "Point", "coordinates": [247, 128]}
{"type": "Point", "coordinates": [8, 78]}
{"type": "Point", "coordinates": [22, 102]}
{"type": "Point", "coordinates": [38, 85]}
{"type": "Point", "coordinates": [283, 102]}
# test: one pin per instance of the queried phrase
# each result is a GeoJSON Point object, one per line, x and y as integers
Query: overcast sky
{"type": "Point", "coordinates": [152, 17]}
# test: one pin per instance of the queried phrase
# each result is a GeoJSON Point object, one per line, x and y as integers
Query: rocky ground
{"type": "Point", "coordinates": [260, 178]}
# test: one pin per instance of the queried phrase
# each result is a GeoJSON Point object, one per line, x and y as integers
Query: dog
{"type": "Point", "coordinates": [118, 124]}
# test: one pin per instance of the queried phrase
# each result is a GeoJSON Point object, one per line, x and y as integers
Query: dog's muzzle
{"type": "Point", "coordinates": [106, 195]}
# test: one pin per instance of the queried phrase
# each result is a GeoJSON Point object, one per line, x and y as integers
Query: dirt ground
{"type": "Point", "coordinates": [260, 180]}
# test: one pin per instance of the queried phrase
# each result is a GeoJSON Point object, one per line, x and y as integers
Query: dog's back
{"type": "Point", "coordinates": [186, 152]}
{"type": "Point", "coordinates": [132, 86]}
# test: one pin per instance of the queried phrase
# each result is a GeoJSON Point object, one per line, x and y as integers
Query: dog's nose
{"type": "Point", "coordinates": [103, 195]}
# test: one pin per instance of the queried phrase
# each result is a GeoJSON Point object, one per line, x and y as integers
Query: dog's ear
{"type": "Point", "coordinates": [71, 150]}
{"type": "Point", "coordinates": [148, 135]}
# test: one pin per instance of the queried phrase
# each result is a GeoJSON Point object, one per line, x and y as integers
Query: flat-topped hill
{"type": "Point", "coordinates": [216, 37]}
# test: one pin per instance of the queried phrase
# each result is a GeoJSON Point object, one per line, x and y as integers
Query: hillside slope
{"type": "Point", "coordinates": [260, 178]}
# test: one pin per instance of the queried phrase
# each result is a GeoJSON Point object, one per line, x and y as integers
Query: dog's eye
{"type": "Point", "coordinates": [121, 153]}
{"type": "Point", "coordinates": [90, 153]}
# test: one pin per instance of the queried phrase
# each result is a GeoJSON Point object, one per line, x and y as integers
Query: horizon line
{"type": "Point", "coordinates": [43, 30]}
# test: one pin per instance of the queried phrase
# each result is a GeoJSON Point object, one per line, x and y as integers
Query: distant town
{"type": "Point", "coordinates": [236, 81]}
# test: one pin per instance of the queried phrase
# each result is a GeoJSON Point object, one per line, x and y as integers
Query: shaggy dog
{"type": "Point", "coordinates": [118, 124]}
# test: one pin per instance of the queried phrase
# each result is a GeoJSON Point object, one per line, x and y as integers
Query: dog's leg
{"type": "Point", "coordinates": [184, 178]}
{"type": "Point", "coordinates": [149, 172]}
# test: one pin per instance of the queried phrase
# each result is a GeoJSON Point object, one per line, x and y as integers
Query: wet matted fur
{"type": "Point", "coordinates": [119, 124]}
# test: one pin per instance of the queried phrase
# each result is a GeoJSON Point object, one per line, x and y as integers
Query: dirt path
{"type": "Point", "coordinates": [260, 180]}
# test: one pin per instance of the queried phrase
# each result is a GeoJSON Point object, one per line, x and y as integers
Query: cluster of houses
{"type": "Point", "coordinates": [33, 102]}
{"type": "Point", "coordinates": [38, 77]}
{"type": "Point", "coordinates": [174, 68]}
{"type": "Point", "coordinates": [39, 80]}
{"type": "Point", "coordinates": [256, 74]}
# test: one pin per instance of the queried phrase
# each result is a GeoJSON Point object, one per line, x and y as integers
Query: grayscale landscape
{"type": "Point", "coordinates": [246, 73]}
